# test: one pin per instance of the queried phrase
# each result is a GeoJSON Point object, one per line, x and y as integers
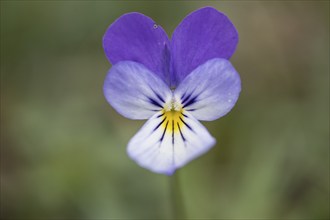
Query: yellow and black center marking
{"type": "Point", "coordinates": [173, 122]}
{"type": "Point", "coordinates": [174, 119]}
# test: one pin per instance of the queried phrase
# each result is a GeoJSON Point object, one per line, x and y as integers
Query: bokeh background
{"type": "Point", "coordinates": [63, 148]}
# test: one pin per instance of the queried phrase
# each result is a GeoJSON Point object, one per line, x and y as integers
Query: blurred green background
{"type": "Point", "coordinates": [63, 148]}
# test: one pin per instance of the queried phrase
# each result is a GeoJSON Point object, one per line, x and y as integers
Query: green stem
{"type": "Point", "coordinates": [178, 209]}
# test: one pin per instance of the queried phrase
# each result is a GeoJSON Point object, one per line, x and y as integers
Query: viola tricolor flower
{"type": "Point", "coordinates": [172, 83]}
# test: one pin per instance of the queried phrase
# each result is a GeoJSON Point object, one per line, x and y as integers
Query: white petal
{"type": "Point", "coordinates": [167, 142]}
{"type": "Point", "coordinates": [211, 90]}
{"type": "Point", "coordinates": [134, 91]}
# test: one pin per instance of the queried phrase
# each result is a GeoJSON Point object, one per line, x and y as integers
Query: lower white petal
{"type": "Point", "coordinates": [169, 140]}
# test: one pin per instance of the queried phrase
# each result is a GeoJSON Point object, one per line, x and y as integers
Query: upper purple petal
{"type": "Point", "coordinates": [136, 37]}
{"type": "Point", "coordinates": [202, 35]}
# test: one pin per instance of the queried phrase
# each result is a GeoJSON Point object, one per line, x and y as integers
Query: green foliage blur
{"type": "Point", "coordinates": [63, 147]}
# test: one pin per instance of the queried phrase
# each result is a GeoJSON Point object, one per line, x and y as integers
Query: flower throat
{"type": "Point", "coordinates": [173, 117]}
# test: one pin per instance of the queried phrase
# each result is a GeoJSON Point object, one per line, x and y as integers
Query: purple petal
{"type": "Point", "coordinates": [138, 38]}
{"type": "Point", "coordinates": [210, 91]}
{"type": "Point", "coordinates": [202, 35]}
{"type": "Point", "coordinates": [134, 91]}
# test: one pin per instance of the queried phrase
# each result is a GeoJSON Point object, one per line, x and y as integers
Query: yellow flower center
{"type": "Point", "coordinates": [173, 117]}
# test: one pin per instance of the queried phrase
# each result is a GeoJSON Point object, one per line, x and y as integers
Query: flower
{"type": "Point", "coordinates": [173, 83]}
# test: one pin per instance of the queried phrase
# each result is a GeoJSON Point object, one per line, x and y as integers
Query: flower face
{"type": "Point", "coordinates": [173, 83]}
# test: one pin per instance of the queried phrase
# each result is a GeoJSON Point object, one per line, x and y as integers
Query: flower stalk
{"type": "Point", "coordinates": [177, 201]}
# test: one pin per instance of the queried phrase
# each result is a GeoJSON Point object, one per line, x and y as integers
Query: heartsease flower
{"type": "Point", "coordinates": [173, 83]}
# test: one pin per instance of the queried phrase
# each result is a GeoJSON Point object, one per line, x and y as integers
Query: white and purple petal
{"type": "Point", "coordinates": [202, 35]}
{"type": "Point", "coordinates": [136, 37]}
{"type": "Point", "coordinates": [165, 144]}
{"type": "Point", "coordinates": [210, 91]}
{"type": "Point", "coordinates": [134, 91]}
